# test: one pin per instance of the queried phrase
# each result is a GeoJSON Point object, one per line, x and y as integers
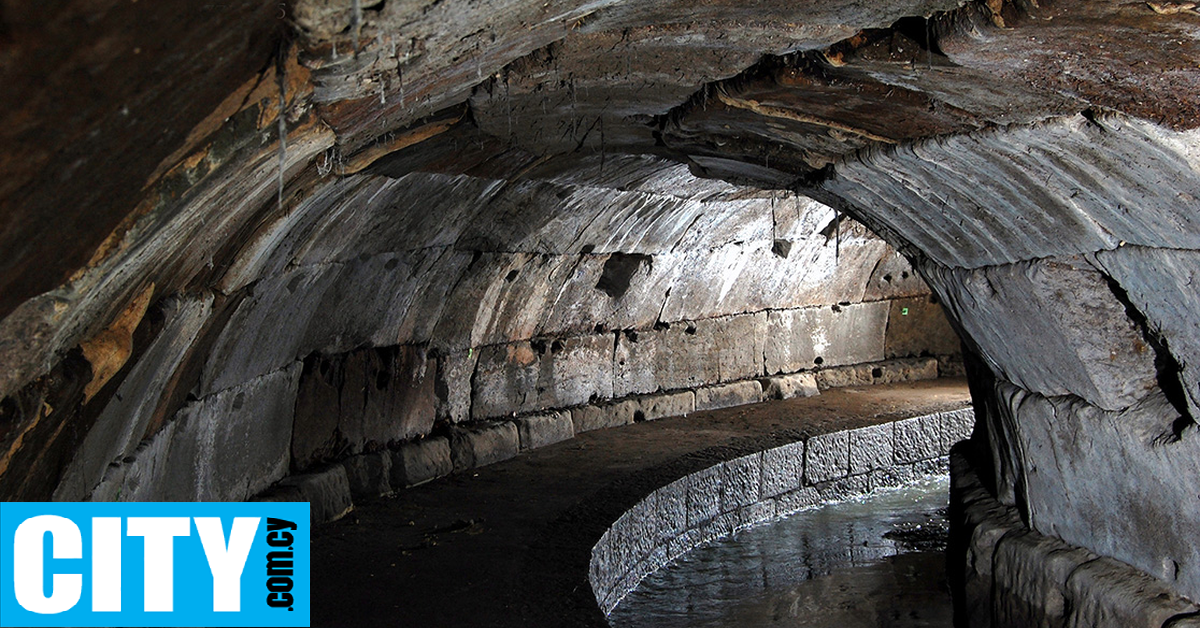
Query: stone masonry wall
{"type": "Point", "coordinates": [753, 489]}
{"type": "Point", "coordinates": [1014, 577]}
{"type": "Point", "coordinates": [389, 311]}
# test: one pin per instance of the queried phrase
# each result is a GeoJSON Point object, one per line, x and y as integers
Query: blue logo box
{"type": "Point", "coordinates": [154, 564]}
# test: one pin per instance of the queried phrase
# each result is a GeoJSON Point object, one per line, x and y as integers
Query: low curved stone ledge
{"type": "Point", "coordinates": [759, 487]}
{"type": "Point", "coordinates": [1014, 577]}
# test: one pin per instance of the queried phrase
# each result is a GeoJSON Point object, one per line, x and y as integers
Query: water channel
{"type": "Point", "coordinates": [875, 560]}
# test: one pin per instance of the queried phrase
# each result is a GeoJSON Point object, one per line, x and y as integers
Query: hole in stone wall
{"type": "Point", "coordinates": [918, 30]}
{"type": "Point", "coordinates": [639, 416]}
{"type": "Point", "coordinates": [512, 274]}
{"type": "Point", "coordinates": [631, 335]}
{"type": "Point", "coordinates": [877, 372]}
{"type": "Point", "coordinates": [661, 326]}
{"type": "Point", "coordinates": [819, 361]}
{"type": "Point", "coordinates": [691, 330]}
{"type": "Point", "coordinates": [618, 271]}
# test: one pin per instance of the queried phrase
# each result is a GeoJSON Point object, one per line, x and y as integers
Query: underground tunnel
{"type": "Point", "coordinates": [529, 300]}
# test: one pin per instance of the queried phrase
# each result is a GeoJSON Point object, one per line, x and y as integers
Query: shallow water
{"type": "Point", "coordinates": [876, 560]}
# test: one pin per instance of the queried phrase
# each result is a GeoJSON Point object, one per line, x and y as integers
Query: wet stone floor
{"type": "Point", "coordinates": [876, 560]}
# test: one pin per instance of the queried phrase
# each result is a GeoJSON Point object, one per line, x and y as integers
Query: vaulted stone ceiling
{"type": "Point", "coordinates": [1038, 163]}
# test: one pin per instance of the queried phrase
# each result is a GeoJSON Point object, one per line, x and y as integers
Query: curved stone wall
{"type": "Point", "coordinates": [1012, 576]}
{"type": "Point", "coordinates": [356, 327]}
{"type": "Point", "coordinates": [753, 489]}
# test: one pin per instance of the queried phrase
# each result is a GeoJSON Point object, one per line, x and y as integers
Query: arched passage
{"type": "Point", "coordinates": [203, 215]}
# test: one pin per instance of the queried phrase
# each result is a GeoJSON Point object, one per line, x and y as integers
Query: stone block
{"type": "Point", "coordinates": [454, 385]}
{"type": "Point", "coordinates": [843, 489]}
{"type": "Point", "coordinates": [534, 375]}
{"type": "Point", "coordinates": [790, 386]}
{"type": "Point", "coordinates": [480, 445]}
{"type": "Point", "coordinates": [704, 496]}
{"type": "Point", "coordinates": [957, 425]}
{"type": "Point", "coordinates": [123, 423]}
{"type": "Point", "coordinates": [1029, 579]}
{"type": "Point", "coordinates": [1089, 347]}
{"type": "Point", "coordinates": [917, 326]}
{"type": "Point", "coordinates": [327, 493]}
{"type": "Point", "coordinates": [934, 466]}
{"type": "Point", "coordinates": [369, 475]}
{"type": "Point", "coordinates": [741, 481]}
{"type": "Point", "coordinates": [893, 278]}
{"type": "Point", "coordinates": [672, 509]}
{"type": "Point", "coordinates": [421, 461]}
{"type": "Point", "coordinates": [918, 438]}
{"type": "Point", "coordinates": [782, 469]}
{"type": "Point", "coordinates": [728, 395]}
{"type": "Point", "coordinates": [793, 501]}
{"type": "Point", "coordinates": [642, 527]}
{"type": "Point", "coordinates": [756, 513]}
{"type": "Point", "coordinates": [825, 336]}
{"type": "Point", "coordinates": [827, 457]}
{"type": "Point", "coordinates": [348, 401]}
{"type": "Point", "coordinates": [243, 432]}
{"type": "Point", "coordinates": [894, 476]}
{"type": "Point", "coordinates": [540, 430]}
{"type": "Point", "coordinates": [1160, 283]}
{"type": "Point", "coordinates": [653, 407]}
{"type": "Point", "coordinates": [870, 449]}
{"type": "Point", "coordinates": [889, 372]}
{"type": "Point", "coordinates": [689, 355]}
{"type": "Point", "coordinates": [595, 417]}
{"type": "Point", "coordinates": [951, 366]}
{"type": "Point", "coordinates": [1106, 593]}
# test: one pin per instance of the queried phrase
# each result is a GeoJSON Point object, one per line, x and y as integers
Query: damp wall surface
{"type": "Point", "coordinates": [365, 319]}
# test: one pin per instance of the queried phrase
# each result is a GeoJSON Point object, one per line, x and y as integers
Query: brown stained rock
{"type": "Point", "coordinates": [97, 95]}
{"type": "Point", "coordinates": [108, 350]}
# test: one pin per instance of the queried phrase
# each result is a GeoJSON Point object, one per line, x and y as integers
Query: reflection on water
{"type": "Point", "coordinates": [876, 560]}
